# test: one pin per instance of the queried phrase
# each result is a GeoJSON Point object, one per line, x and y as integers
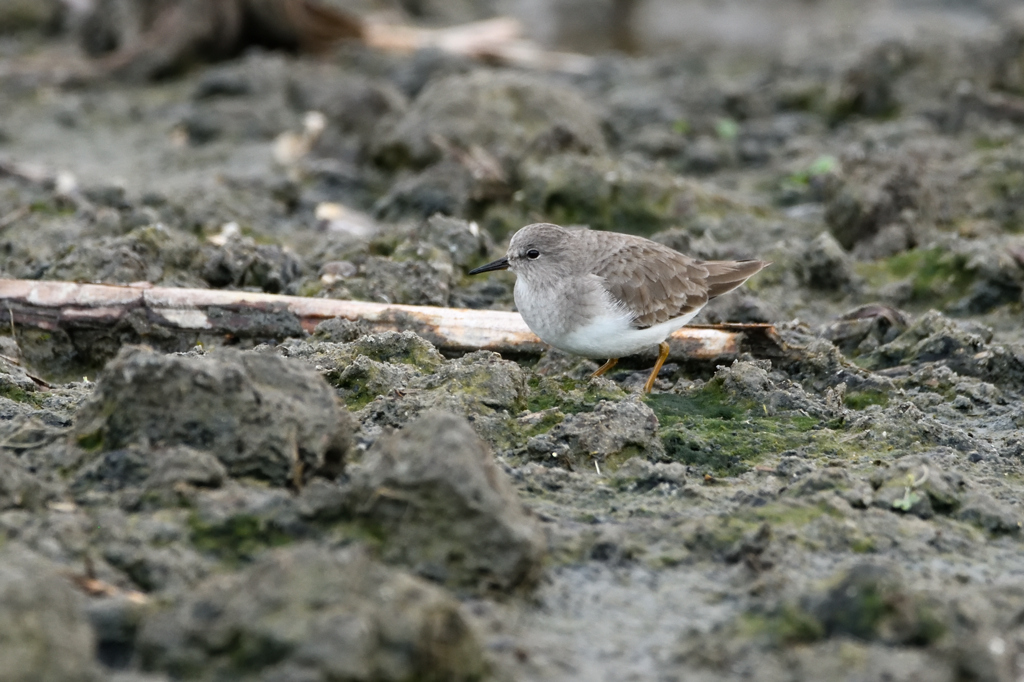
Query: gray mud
{"type": "Point", "coordinates": [354, 506]}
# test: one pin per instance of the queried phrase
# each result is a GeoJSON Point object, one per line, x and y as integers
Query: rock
{"type": "Point", "coordinates": [461, 242]}
{"type": "Point", "coordinates": [115, 621]}
{"type": "Point", "coordinates": [508, 115]}
{"type": "Point", "coordinates": [933, 337]}
{"type": "Point", "coordinates": [240, 262]}
{"type": "Point", "coordinates": [863, 329]}
{"type": "Point", "coordinates": [239, 521]}
{"type": "Point", "coordinates": [259, 414]}
{"type": "Point", "coordinates": [824, 265]}
{"type": "Point", "coordinates": [871, 602]}
{"type": "Point", "coordinates": [854, 490]}
{"type": "Point", "coordinates": [706, 155]}
{"type": "Point", "coordinates": [986, 512]}
{"type": "Point", "coordinates": [614, 432]}
{"type": "Point", "coordinates": [447, 187]}
{"type": "Point", "coordinates": [745, 380]}
{"type": "Point", "coordinates": [147, 254]}
{"type": "Point", "coordinates": [868, 86]}
{"type": "Point", "coordinates": [605, 193]}
{"type": "Point", "coordinates": [309, 613]}
{"type": "Point", "coordinates": [400, 349]}
{"type": "Point", "coordinates": [482, 377]}
{"type": "Point", "coordinates": [364, 379]}
{"type": "Point", "coordinates": [995, 275]}
{"type": "Point", "coordinates": [150, 477]}
{"type": "Point", "coordinates": [751, 382]}
{"type": "Point", "coordinates": [20, 488]}
{"type": "Point", "coordinates": [962, 347]}
{"type": "Point", "coordinates": [861, 209]}
{"type": "Point", "coordinates": [44, 634]}
{"type": "Point", "coordinates": [918, 485]}
{"type": "Point", "coordinates": [639, 475]}
{"type": "Point", "coordinates": [354, 105]}
{"type": "Point", "coordinates": [443, 507]}
{"type": "Point", "coordinates": [740, 306]}
{"type": "Point", "coordinates": [479, 386]}
{"type": "Point", "coordinates": [150, 552]}
{"type": "Point", "coordinates": [391, 378]}
{"type": "Point", "coordinates": [819, 365]}
{"type": "Point", "coordinates": [409, 282]}
{"type": "Point", "coordinates": [340, 330]}
{"type": "Point", "coordinates": [1008, 56]}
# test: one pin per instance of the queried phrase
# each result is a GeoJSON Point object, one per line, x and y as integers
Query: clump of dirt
{"type": "Point", "coordinates": [449, 511]}
{"type": "Point", "coordinates": [280, 423]}
{"type": "Point", "coordinates": [318, 613]}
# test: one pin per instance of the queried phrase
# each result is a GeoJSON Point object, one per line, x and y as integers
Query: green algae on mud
{"type": "Point", "coordinates": [936, 276]}
{"type": "Point", "coordinates": [723, 437]}
{"type": "Point", "coordinates": [569, 395]}
{"type": "Point", "coordinates": [859, 400]}
{"type": "Point", "coordinates": [20, 395]}
{"type": "Point", "coordinates": [236, 539]}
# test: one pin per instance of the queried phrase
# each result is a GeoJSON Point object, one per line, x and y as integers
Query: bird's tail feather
{"type": "Point", "coordinates": [726, 275]}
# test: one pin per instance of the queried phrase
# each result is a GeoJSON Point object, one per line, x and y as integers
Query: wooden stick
{"type": "Point", "coordinates": [498, 40]}
{"type": "Point", "coordinates": [70, 306]}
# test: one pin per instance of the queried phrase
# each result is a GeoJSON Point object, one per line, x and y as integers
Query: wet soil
{"type": "Point", "coordinates": [353, 506]}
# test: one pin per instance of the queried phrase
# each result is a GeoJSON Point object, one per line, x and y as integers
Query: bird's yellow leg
{"type": "Point", "coordinates": [662, 356]}
{"type": "Point", "coordinates": [605, 367]}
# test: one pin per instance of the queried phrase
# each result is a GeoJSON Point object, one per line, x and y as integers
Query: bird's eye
{"type": "Point", "coordinates": [533, 254]}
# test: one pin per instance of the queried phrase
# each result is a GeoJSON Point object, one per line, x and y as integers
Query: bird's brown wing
{"type": "Point", "coordinates": [654, 282]}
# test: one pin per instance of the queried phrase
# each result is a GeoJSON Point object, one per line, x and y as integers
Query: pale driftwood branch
{"type": "Point", "coordinates": [499, 40]}
{"type": "Point", "coordinates": [70, 307]}
{"type": "Point", "coordinates": [467, 39]}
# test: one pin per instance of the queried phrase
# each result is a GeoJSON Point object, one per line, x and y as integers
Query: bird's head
{"type": "Point", "coordinates": [536, 250]}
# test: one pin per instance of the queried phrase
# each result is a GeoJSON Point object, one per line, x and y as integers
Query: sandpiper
{"type": "Point", "coordinates": [605, 295]}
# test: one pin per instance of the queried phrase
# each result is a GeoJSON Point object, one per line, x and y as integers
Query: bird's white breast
{"type": "Point", "coordinates": [593, 325]}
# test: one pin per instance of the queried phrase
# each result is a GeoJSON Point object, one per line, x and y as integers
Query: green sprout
{"type": "Point", "coordinates": [727, 129]}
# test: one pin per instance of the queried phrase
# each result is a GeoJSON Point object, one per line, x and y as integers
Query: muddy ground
{"type": "Point", "coordinates": [345, 506]}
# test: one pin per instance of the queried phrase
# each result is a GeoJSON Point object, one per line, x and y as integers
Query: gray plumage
{"type": "Point", "coordinates": [608, 295]}
{"type": "Point", "coordinates": [654, 282]}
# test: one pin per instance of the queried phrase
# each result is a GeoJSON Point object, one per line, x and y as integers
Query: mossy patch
{"type": "Point", "coordinates": [723, 437]}
{"type": "Point", "coordinates": [788, 625]}
{"type": "Point", "coordinates": [549, 419]}
{"type": "Point", "coordinates": [20, 395]}
{"type": "Point", "coordinates": [868, 606]}
{"type": "Point", "coordinates": [615, 460]}
{"type": "Point", "coordinates": [859, 400]}
{"type": "Point", "coordinates": [788, 513]}
{"type": "Point", "coordinates": [710, 402]}
{"type": "Point", "coordinates": [937, 277]}
{"type": "Point", "coordinates": [870, 610]}
{"type": "Point", "coordinates": [568, 395]}
{"type": "Point", "coordinates": [236, 539]}
{"type": "Point", "coordinates": [807, 184]}
{"type": "Point", "coordinates": [398, 348]}
{"type": "Point", "coordinates": [91, 441]}
{"type": "Point", "coordinates": [360, 399]}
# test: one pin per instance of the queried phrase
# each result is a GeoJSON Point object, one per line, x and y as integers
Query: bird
{"type": "Point", "coordinates": [607, 295]}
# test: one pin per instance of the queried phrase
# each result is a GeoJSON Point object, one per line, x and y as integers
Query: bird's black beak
{"type": "Point", "coordinates": [500, 264]}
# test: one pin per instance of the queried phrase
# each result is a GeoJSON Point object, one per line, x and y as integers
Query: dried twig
{"type": "Point", "coordinates": [71, 307]}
